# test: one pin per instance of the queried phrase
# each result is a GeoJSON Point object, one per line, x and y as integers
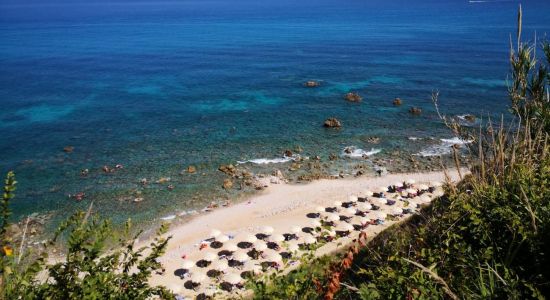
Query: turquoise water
{"type": "Point", "coordinates": [160, 86]}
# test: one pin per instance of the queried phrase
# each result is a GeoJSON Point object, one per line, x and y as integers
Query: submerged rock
{"type": "Point", "coordinates": [373, 140]}
{"type": "Point", "coordinates": [397, 102]}
{"type": "Point", "coordinates": [312, 83]}
{"type": "Point", "coordinates": [288, 153]}
{"type": "Point", "coordinates": [191, 169]}
{"type": "Point", "coordinates": [353, 97]}
{"type": "Point", "coordinates": [470, 118]}
{"type": "Point", "coordinates": [415, 110]}
{"type": "Point", "coordinates": [227, 184]}
{"type": "Point", "coordinates": [332, 123]}
{"type": "Point", "coordinates": [68, 149]}
{"type": "Point", "coordinates": [228, 169]}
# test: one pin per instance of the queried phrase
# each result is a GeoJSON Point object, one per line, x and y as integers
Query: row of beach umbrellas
{"type": "Point", "coordinates": [229, 260]}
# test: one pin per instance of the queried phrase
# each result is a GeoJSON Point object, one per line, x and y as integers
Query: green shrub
{"type": "Point", "coordinates": [89, 269]}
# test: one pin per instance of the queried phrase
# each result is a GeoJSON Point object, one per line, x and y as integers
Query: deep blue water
{"type": "Point", "coordinates": [158, 86]}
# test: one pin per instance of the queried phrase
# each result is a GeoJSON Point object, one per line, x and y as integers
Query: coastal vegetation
{"type": "Point", "coordinates": [91, 267]}
{"type": "Point", "coordinates": [487, 238]}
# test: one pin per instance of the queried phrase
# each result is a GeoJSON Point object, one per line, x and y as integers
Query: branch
{"type": "Point", "coordinates": [435, 277]}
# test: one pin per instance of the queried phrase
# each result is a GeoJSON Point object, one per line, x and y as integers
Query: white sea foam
{"type": "Point", "coordinates": [443, 148]}
{"type": "Point", "coordinates": [168, 218]}
{"type": "Point", "coordinates": [413, 138]}
{"type": "Point", "coordinates": [265, 161]}
{"type": "Point", "coordinates": [355, 152]}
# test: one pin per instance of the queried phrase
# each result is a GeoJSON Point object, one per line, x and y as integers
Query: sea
{"type": "Point", "coordinates": [145, 89]}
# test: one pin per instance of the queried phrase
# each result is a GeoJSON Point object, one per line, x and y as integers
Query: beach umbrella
{"type": "Point", "coordinates": [410, 181]}
{"type": "Point", "coordinates": [214, 233]}
{"type": "Point", "coordinates": [260, 246]}
{"type": "Point", "coordinates": [333, 218]}
{"type": "Point", "coordinates": [219, 265]}
{"type": "Point", "coordinates": [209, 256]}
{"type": "Point", "coordinates": [378, 215]}
{"type": "Point", "coordinates": [295, 229]}
{"type": "Point", "coordinates": [330, 232]}
{"type": "Point", "coordinates": [277, 238]}
{"type": "Point", "coordinates": [316, 223]}
{"type": "Point", "coordinates": [397, 211]}
{"type": "Point", "coordinates": [266, 230]}
{"type": "Point", "coordinates": [250, 238]}
{"type": "Point", "coordinates": [411, 191]}
{"type": "Point", "coordinates": [344, 227]}
{"type": "Point", "coordinates": [350, 211]}
{"type": "Point", "coordinates": [231, 246]}
{"type": "Point", "coordinates": [423, 187]}
{"type": "Point", "coordinates": [381, 200]}
{"type": "Point", "coordinates": [308, 240]}
{"type": "Point", "coordinates": [292, 247]}
{"type": "Point", "coordinates": [188, 264]}
{"type": "Point", "coordinates": [425, 198]}
{"type": "Point", "coordinates": [352, 198]}
{"type": "Point", "coordinates": [252, 265]}
{"type": "Point", "coordinates": [222, 238]}
{"type": "Point", "coordinates": [364, 206]}
{"type": "Point", "coordinates": [241, 256]}
{"type": "Point", "coordinates": [198, 277]}
{"type": "Point", "coordinates": [232, 278]}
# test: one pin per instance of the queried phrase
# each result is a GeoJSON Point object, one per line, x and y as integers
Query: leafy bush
{"type": "Point", "coordinates": [89, 269]}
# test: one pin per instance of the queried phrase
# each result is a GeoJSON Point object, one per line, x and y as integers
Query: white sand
{"type": "Point", "coordinates": [281, 207]}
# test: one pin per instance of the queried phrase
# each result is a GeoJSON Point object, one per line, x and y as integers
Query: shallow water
{"type": "Point", "coordinates": [160, 86]}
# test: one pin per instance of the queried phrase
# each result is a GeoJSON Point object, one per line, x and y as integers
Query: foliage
{"type": "Point", "coordinates": [89, 269]}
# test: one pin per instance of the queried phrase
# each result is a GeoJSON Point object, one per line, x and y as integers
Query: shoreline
{"type": "Point", "coordinates": [280, 206]}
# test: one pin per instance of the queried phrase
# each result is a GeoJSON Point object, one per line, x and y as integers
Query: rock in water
{"type": "Point", "coordinates": [353, 97]}
{"type": "Point", "coordinates": [229, 169]}
{"type": "Point", "coordinates": [470, 118]}
{"type": "Point", "coordinates": [332, 123]}
{"type": "Point", "coordinates": [288, 153]}
{"type": "Point", "coordinates": [227, 184]}
{"type": "Point", "coordinates": [415, 110]}
{"type": "Point", "coordinates": [191, 169]}
{"type": "Point", "coordinates": [312, 83]}
{"type": "Point", "coordinates": [396, 101]}
{"type": "Point", "coordinates": [68, 149]}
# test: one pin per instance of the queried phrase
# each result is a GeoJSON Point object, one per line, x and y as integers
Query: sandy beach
{"type": "Point", "coordinates": [281, 207]}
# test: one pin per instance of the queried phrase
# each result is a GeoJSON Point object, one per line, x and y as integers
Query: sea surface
{"type": "Point", "coordinates": [158, 86]}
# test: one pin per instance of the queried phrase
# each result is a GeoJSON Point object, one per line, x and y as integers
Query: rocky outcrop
{"type": "Point", "coordinates": [353, 97]}
{"type": "Point", "coordinates": [332, 123]}
{"type": "Point", "coordinates": [228, 170]}
{"type": "Point", "coordinates": [397, 102]}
